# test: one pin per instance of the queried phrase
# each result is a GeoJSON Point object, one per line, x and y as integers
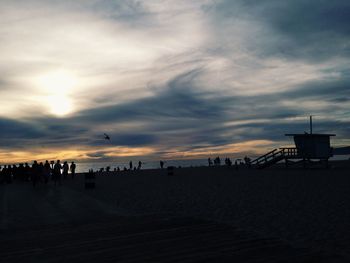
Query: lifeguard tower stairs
{"type": "Point", "coordinates": [275, 156]}
{"type": "Point", "coordinates": [309, 148]}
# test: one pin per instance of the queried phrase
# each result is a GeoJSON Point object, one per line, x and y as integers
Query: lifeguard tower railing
{"type": "Point", "coordinates": [275, 156]}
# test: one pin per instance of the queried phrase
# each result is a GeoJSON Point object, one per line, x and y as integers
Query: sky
{"type": "Point", "coordinates": [169, 79]}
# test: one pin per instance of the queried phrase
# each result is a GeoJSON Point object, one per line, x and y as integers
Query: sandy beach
{"type": "Point", "coordinates": [302, 209]}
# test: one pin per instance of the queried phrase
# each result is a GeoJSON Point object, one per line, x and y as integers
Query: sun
{"type": "Point", "coordinates": [57, 88]}
{"type": "Point", "coordinates": [59, 105]}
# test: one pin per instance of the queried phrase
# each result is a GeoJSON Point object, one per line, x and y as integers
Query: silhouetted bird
{"type": "Point", "coordinates": [107, 137]}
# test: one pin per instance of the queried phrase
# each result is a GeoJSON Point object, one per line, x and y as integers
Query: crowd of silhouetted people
{"type": "Point", "coordinates": [57, 171]}
{"type": "Point", "coordinates": [130, 167]}
{"type": "Point", "coordinates": [37, 172]}
{"type": "Point", "coordinates": [228, 162]}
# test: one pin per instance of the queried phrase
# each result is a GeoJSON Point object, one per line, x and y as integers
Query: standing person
{"type": "Point", "coordinates": [57, 172]}
{"type": "Point", "coordinates": [161, 164]}
{"type": "Point", "coordinates": [9, 174]}
{"type": "Point", "coordinates": [247, 161]}
{"type": "Point", "coordinates": [1, 175]}
{"type": "Point", "coordinates": [65, 170]}
{"type": "Point", "coordinates": [139, 166]}
{"type": "Point", "coordinates": [41, 172]}
{"type": "Point", "coordinates": [14, 172]}
{"type": "Point", "coordinates": [47, 171]}
{"type": "Point", "coordinates": [130, 165]}
{"type": "Point", "coordinates": [72, 169]}
{"type": "Point", "coordinates": [21, 172]}
{"type": "Point", "coordinates": [210, 163]}
{"type": "Point", "coordinates": [34, 173]}
{"type": "Point", "coordinates": [27, 171]}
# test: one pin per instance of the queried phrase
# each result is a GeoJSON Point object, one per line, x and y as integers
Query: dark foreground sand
{"type": "Point", "coordinates": [199, 214]}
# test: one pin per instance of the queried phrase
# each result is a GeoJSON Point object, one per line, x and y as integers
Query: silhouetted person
{"type": "Point", "coordinates": [161, 164]}
{"type": "Point", "coordinates": [72, 169]}
{"type": "Point", "coordinates": [4, 172]}
{"type": "Point", "coordinates": [57, 172]}
{"type": "Point", "coordinates": [27, 171]}
{"type": "Point", "coordinates": [52, 163]}
{"type": "Point", "coordinates": [21, 172]}
{"type": "Point", "coordinates": [15, 172]}
{"type": "Point", "coordinates": [118, 169]}
{"type": "Point", "coordinates": [1, 175]}
{"type": "Point", "coordinates": [41, 172]}
{"type": "Point", "coordinates": [47, 171]}
{"type": "Point", "coordinates": [65, 170]}
{"type": "Point", "coordinates": [130, 165]}
{"type": "Point", "coordinates": [217, 161]}
{"type": "Point", "coordinates": [9, 174]}
{"type": "Point", "coordinates": [247, 161]}
{"type": "Point", "coordinates": [139, 166]}
{"type": "Point", "coordinates": [210, 163]}
{"type": "Point", "coordinates": [35, 173]}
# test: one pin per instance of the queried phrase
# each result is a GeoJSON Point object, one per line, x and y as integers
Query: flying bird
{"type": "Point", "coordinates": [107, 137]}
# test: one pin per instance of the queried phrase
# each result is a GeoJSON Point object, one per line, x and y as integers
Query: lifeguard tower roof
{"type": "Point", "coordinates": [308, 134]}
{"type": "Point", "coordinates": [313, 145]}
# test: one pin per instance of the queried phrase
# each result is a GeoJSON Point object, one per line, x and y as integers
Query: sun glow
{"type": "Point", "coordinates": [57, 88]}
{"type": "Point", "coordinates": [60, 105]}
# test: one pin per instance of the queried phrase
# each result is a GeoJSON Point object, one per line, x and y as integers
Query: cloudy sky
{"type": "Point", "coordinates": [169, 79]}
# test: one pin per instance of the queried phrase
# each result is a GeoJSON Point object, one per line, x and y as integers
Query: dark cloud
{"type": "Point", "coordinates": [97, 155]}
{"type": "Point", "coordinates": [314, 30]}
{"type": "Point", "coordinates": [178, 99]}
{"type": "Point", "coordinates": [12, 130]}
{"type": "Point", "coordinates": [340, 100]}
{"type": "Point", "coordinates": [18, 135]}
{"type": "Point", "coordinates": [130, 12]}
{"type": "Point", "coordinates": [275, 131]}
{"type": "Point", "coordinates": [132, 139]}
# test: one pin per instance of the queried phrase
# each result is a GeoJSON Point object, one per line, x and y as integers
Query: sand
{"type": "Point", "coordinates": [309, 208]}
{"type": "Point", "coordinates": [306, 209]}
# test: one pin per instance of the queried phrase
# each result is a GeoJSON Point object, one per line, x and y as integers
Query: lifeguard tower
{"type": "Point", "coordinates": [309, 148]}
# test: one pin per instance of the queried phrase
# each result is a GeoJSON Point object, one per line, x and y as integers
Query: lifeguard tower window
{"type": "Point", "coordinates": [313, 146]}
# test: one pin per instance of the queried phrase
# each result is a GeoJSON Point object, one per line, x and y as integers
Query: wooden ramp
{"type": "Point", "coordinates": [275, 156]}
{"type": "Point", "coordinates": [269, 159]}
{"type": "Point", "coordinates": [155, 238]}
